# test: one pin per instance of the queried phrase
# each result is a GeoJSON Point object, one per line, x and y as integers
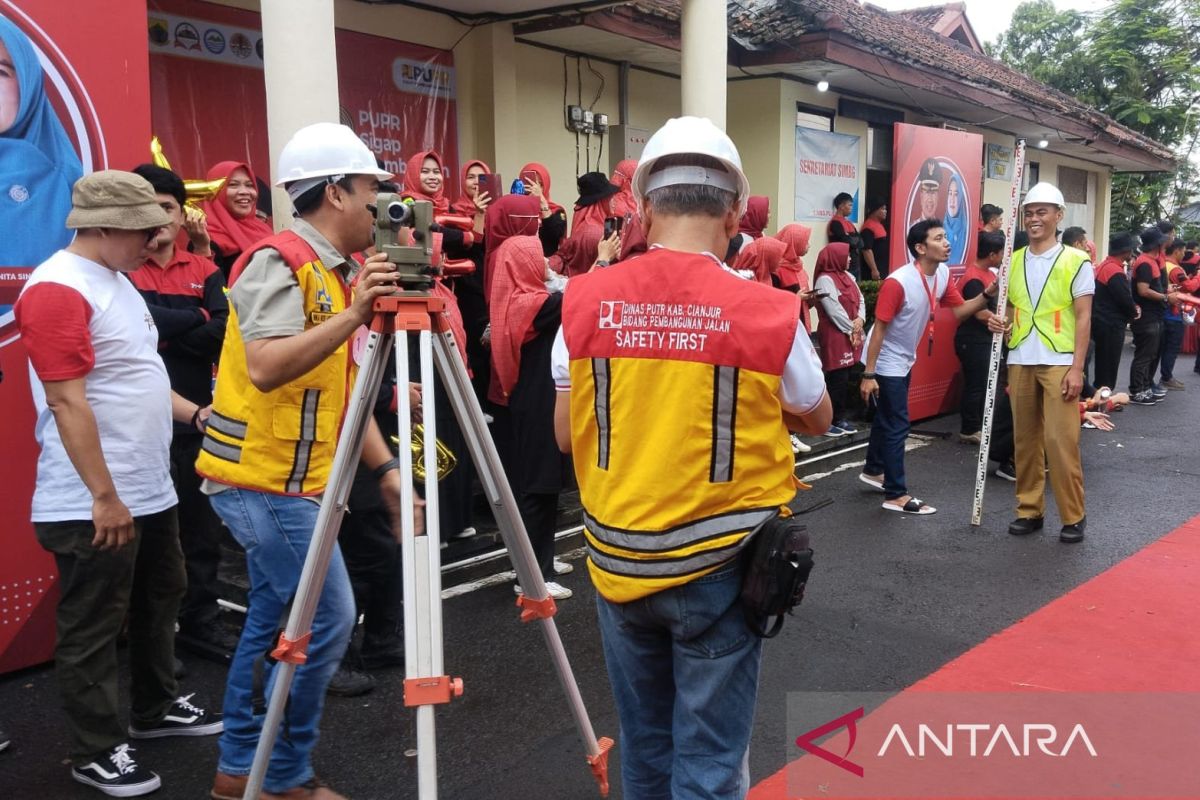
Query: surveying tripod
{"type": "Point", "coordinates": [414, 310]}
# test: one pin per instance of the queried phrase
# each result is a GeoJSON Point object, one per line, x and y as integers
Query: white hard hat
{"type": "Point", "coordinates": [1044, 193]}
{"type": "Point", "coordinates": [323, 150]}
{"type": "Point", "coordinates": [691, 135]}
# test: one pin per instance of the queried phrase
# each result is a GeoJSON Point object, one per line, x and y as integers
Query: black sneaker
{"type": "Point", "coordinates": [4, 740]}
{"type": "Point", "coordinates": [1158, 390]}
{"type": "Point", "coordinates": [1007, 471]}
{"type": "Point", "coordinates": [1072, 534]}
{"type": "Point", "coordinates": [183, 719]}
{"type": "Point", "coordinates": [1143, 398]}
{"type": "Point", "coordinates": [1023, 526]}
{"type": "Point", "coordinates": [349, 682]}
{"type": "Point", "coordinates": [117, 774]}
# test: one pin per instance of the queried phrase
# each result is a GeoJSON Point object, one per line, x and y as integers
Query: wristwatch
{"type": "Point", "coordinates": [602, 262]}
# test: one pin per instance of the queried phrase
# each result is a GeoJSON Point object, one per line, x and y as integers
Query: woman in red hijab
{"type": "Point", "coordinates": [536, 178]}
{"type": "Point", "coordinates": [750, 226]}
{"type": "Point", "coordinates": [792, 274]}
{"type": "Point", "coordinates": [232, 216]}
{"type": "Point", "coordinates": [523, 331]}
{"type": "Point", "coordinates": [511, 215]}
{"type": "Point", "coordinates": [840, 318]}
{"type": "Point", "coordinates": [470, 202]}
{"type": "Point", "coordinates": [762, 257]}
{"type": "Point", "coordinates": [622, 178]}
{"type": "Point", "coordinates": [424, 180]}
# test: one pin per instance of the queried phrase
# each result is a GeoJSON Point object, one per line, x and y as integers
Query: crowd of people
{"type": "Point", "coordinates": [192, 369]}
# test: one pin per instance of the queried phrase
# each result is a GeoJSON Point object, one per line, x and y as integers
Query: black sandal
{"type": "Point", "coordinates": [914, 506]}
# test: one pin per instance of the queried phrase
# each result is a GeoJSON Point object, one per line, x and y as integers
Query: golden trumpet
{"type": "Point", "coordinates": [446, 460]}
{"type": "Point", "coordinates": [197, 190]}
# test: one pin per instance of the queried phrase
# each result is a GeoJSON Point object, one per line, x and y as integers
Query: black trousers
{"type": "Point", "coordinates": [1109, 340]}
{"type": "Point", "coordinates": [836, 383]}
{"type": "Point", "coordinates": [974, 355]}
{"type": "Point", "coordinates": [1146, 337]}
{"type": "Point", "coordinates": [144, 579]}
{"type": "Point", "coordinates": [199, 534]}
{"type": "Point", "coordinates": [539, 512]}
{"type": "Point", "coordinates": [372, 557]}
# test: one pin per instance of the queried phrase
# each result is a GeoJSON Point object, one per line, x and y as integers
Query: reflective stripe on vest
{"type": "Point", "coordinates": [281, 441]}
{"type": "Point", "coordinates": [676, 425]}
{"type": "Point", "coordinates": [1053, 314]}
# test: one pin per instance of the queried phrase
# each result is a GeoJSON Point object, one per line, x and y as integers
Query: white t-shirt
{"type": "Point", "coordinates": [1033, 351]}
{"type": "Point", "coordinates": [79, 319]}
{"type": "Point", "coordinates": [903, 303]}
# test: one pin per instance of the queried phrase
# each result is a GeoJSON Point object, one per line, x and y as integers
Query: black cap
{"type": "Point", "coordinates": [594, 187]}
{"type": "Point", "coordinates": [1152, 238]}
{"type": "Point", "coordinates": [930, 176]}
{"type": "Point", "coordinates": [1121, 243]}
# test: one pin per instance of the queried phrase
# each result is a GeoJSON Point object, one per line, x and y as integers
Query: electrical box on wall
{"type": "Point", "coordinates": [575, 119]}
{"type": "Point", "coordinates": [625, 141]}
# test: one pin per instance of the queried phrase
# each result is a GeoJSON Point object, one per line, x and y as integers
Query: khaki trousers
{"type": "Point", "coordinates": [1045, 428]}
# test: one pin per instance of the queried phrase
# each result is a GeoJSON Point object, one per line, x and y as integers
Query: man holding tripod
{"type": "Point", "coordinates": [730, 370]}
{"type": "Point", "coordinates": [286, 373]}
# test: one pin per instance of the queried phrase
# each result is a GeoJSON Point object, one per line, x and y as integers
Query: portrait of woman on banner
{"type": "Point", "coordinates": [38, 162]}
{"type": "Point", "coordinates": [957, 219]}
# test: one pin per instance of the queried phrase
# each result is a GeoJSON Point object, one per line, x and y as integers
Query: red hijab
{"type": "Point", "coordinates": [518, 293]}
{"type": "Point", "coordinates": [414, 189]}
{"type": "Point", "coordinates": [791, 272]}
{"type": "Point", "coordinates": [229, 233]}
{"type": "Point", "coordinates": [543, 176]}
{"type": "Point", "coordinates": [762, 256]}
{"type": "Point", "coordinates": [510, 215]}
{"type": "Point", "coordinates": [754, 221]}
{"type": "Point", "coordinates": [623, 202]}
{"type": "Point", "coordinates": [464, 206]}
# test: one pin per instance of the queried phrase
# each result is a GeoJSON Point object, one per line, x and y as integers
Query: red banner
{"type": "Point", "coordinates": [938, 175]}
{"type": "Point", "coordinates": [84, 105]}
{"type": "Point", "coordinates": [209, 100]}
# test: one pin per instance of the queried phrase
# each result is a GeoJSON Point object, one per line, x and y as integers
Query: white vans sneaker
{"type": "Point", "coordinates": [555, 590]}
{"type": "Point", "coordinates": [562, 567]}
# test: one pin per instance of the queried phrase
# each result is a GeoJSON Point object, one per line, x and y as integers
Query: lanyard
{"type": "Point", "coordinates": [929, 292]}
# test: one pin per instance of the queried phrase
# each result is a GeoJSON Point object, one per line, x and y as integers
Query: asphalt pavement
{"type": "Point", "coordinates": [892, 598]}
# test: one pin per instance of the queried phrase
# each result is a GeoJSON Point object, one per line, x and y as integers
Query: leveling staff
{"type": "Point", "coordinates": [663, 540]}
{"type": "Point", "coordinates": [286, 375]}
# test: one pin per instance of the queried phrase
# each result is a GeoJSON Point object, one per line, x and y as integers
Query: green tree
{"type": "Point", "coordinates": [1138, 61]}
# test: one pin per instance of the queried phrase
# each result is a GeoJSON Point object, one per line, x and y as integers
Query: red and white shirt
{"type": "Point", "coordinates": [907, 300]}
{"type": "Point", "coordinates": [79, 319]}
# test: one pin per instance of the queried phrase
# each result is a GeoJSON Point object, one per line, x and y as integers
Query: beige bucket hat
{"type": "Point", "coordinates": [111, 198]}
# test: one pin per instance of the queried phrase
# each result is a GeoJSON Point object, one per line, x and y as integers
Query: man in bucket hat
{"type": "Point", "coordinates": [103, 503]}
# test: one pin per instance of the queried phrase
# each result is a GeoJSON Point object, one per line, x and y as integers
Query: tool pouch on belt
{"type": "Point", "coordinates": [778, 560]}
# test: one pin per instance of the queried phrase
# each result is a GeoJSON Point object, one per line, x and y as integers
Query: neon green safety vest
{"type": "Point", "coordinates": [1053, 316]}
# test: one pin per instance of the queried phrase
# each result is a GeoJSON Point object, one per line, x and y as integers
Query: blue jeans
{"type": "Point", "coordinates": [1172, 343]}
{"type": "Point", "coordinates": [889, 431]}
{"type": "Point", "coordinates": [276, 531]}
{"type": "Point", "coordinates": [684, 670]}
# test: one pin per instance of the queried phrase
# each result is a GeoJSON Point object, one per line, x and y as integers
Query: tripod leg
{"type": "Point", "coordinates": [536, 602]}
{"type": "Point", "coordinates": [292, 644]}
{"type": "Point", "coordinates": [421, 556]}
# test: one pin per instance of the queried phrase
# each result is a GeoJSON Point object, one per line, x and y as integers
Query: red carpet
{"type": "Point", "coordinates": [1130, 629]}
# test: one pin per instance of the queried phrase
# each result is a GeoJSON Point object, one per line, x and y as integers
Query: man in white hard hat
{"type": "Point", "coordinates": [672, 352]}
{"type": "Point", "coordinates": [286, 371]}
{"type": "Point", "coordinates": [1050, 312]}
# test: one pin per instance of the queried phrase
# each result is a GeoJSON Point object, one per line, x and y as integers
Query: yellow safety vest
{"type": "Point", "coordinates": [676, 425]}
{"type": "Point", "coordinates": [1052, 316]}
{"type": "Point", "coordinates": [281, 441]}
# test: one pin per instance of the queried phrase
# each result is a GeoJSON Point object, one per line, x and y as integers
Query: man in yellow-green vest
{"type": "Point", "coordinates": [1050, 312]}
{"type": "Point", "coordinates": [286, 373]}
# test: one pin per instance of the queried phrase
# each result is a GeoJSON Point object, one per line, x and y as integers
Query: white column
{"type": "Point", "coordinates": [300, 66]}
{"type": "Point", "coordinates": [703, 58]}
